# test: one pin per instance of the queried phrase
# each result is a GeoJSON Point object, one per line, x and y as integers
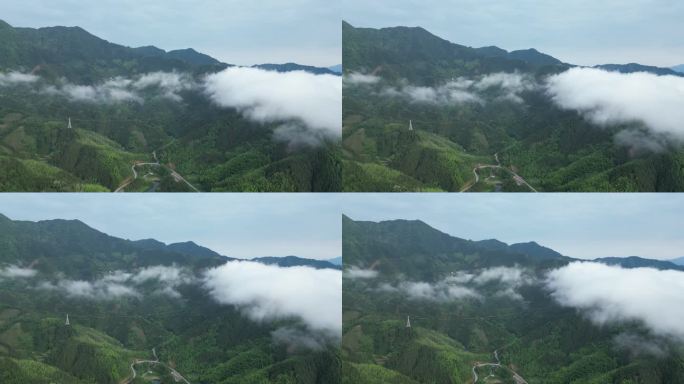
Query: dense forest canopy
{"type": "Point", "coordinates": [159, 310]}
{"type": "Point", "coordinates": [144, 119]}
{"type": "Point", "coordinates": [487, 119]}
{"type": "Point", "coordinates": [487, 311]}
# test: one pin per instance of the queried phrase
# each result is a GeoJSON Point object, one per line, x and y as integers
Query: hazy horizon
{"type": "Point", "coordinates": [304, 31]}
{"type": "Point", "coordinates": [583, 226]}
{"type": "Point", "coordinates": [578, 32]}
{"type": "Point", "coordinates": [243, 225]}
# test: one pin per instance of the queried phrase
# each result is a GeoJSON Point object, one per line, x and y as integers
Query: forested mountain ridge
{"type": "Point", "coordinates": [135, 300]}
{"type": "Point", "coordinates": [479, 309]}
{"type": "Point", "coordinates": [403, 242]}
{"type": "Point", "coordinates": [141, 121]}
{"type": "Point", "coordinates": [484, 119]}
{"type": "Point", "coordinates": [414, 54]}
{"type": "Point", "coordinates": [74, 53]}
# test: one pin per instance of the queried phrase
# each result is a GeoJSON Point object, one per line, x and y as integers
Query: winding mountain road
{"type": "Point", "coordinates": [176, 176]}
{"type": "Point", "coordinates": [176, 376]}
{"type": "Point", "coordinates": [518, 379]}
{"type": "Point", "coordinates": [518, 179]}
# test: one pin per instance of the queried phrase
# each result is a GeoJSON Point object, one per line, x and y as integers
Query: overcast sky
{"type": "Point", "coordinates": [577, 225]}
{"type": "Point", "coordinates": [583, 32]}
{"type": "Point", "coordinates": [248, 225]}
{"type": "Point", "coordinates": [239, 225]}
{"type": "Point", "coordinates": [234, 31]}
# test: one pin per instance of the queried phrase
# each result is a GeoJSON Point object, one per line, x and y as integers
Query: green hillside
{"type": "Point", "coordinates": [187, 145]}
{"type": "Point", "coordinates": [523, 134]}
{"type": "Point", "coordinates": [168, 324]}
{"type": "Point", "coordinates": [502, 334]}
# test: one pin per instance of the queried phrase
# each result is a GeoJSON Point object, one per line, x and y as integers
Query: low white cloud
{"type": "Point", "coordinates": [354, 78]}
{"type": "Point", "coordinates": [15, 78]}
{"type": "Point", "coordinates": [15, 272]}
{"type": "Point", "coordinates": [511, 276]}
{"type": "Point", "coordinates": [120, 89]}
{"type": "Point", "coordinates": [354, 272]}
{"type": "Point", "coordinates": [495, 86]}
{"type": "Point", "coordinates": [610, 98]}
{"type": "Point", "coordinates": [511, 85]}
{"type": "Point", "coordinates": [449, 93]}
{"type": "Point", "coordinates": [460, 285]}
{"type": "Point", "coordinates": [268, 292]}
{"type": "Point", "coordinates": [170, 83]}
{"type": "Point", "coordinates": [99, 290]}
{"type": "Point", "coordinates": [169, 278]}
{"type": "Point", "coordinates": [611, 294]}
{"type": "Point", "coordinates": [444, 290]}
{"type": "Point", "coordinates": [638, 345]}
{"type": "Point", "coordinates": [101, 94]}
{"type": "Point", "coordinates": [165, 280]}
{"type": "Point", "coordinates": [311, 103]}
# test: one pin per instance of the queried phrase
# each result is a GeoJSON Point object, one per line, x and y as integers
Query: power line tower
{"type": "Point", "coordinates": [67, 320]}
{"type": "Point", "coordinates": [410, 125]}
{"type": "Point", "coordinates": [408, 321]}
{"type": "Point", "coordinates": [69, 125]}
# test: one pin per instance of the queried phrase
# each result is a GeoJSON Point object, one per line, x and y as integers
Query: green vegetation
{"type": "Point", "coordinates": [202, 340]}
{"type": "Point", "coordinates": [213, 148]}
{"type": "Point", "coordinates": [552, 149]}
{"type": "Point", "coordinates": [533, 337]}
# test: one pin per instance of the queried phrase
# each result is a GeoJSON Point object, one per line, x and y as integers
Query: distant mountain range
{"type": "Point", "coordinates": [372, 48]}
{"type": "Point", "coordinates": [634, 67]}
{"type": "Point", "coordinates": [442, 309]}
{"type": "Point", "coordinates": [678, 261]}
{"type": "Point", "coordinates": [289, 67]}
{"type": "Point", "coordinates": [404, 240]}
{"type": "Point", "coordinates": [99, 304]}
{"type": "Point", "coordinates": [678, 68]}
{"type": "Point", "coordinates": [294, 261]}
{"type": "Point", "coordinates": [76, 54]}
{"type": "Point", "coordinates": [336, 260]}
{"type": "Point", "coordinates": [73, 247]}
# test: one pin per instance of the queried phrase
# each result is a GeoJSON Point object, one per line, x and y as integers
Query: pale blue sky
{"type": "Point", "coordinates": [240, 225]}
{"type": "Point", "coordinates": [309, 224]}
{"type": "Point", "coordinates": [583, 32]}
{"type": "Point", "coordinates": [235, 31]}
{"type": "Point", "coordinates": [578, 225]}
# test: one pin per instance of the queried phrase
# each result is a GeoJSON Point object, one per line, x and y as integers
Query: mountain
{"type": "Point", "coordinates": [336, 260]}
{"type": "Point", "coordinates": [294, 261]}
{"type": "Point", "coordinates": [136, 105]}
{"type": "Point", "coordinates": [482, 121]}
{"type": "Point", "coordinates": [535, 250]}
{"type": "Point", "coordinates": [289, 67]}
{"type": "Point", "coordinates": [530, 56]}
{"type": "Point", "coordinates": [190, 248]}
{"type": "Point", "coordinates": [128, 301]}
{"type": "Point", "coordinates": [640, 262]}
{"type": "Point", "coordinates": [678, 68]}
{"type": "Point", "coordinates": [79, 251]}
{"type": "Point", "coordinates": [79, 56]}
{"type": "Point", "coordinates": [414, 54]}
{"type": "Point", "coordinates": [455, 311]}
{"type": "Point", "coordinates": [413, 248]}
{"type": "Point", "coordinates": [336, 68]}
{"type": "Point", "coordinates": [678, 261]}
{"type": "Point", "coordinates": [634, 67]}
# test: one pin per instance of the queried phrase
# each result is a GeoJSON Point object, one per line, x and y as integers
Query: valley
{"type": "Point", "coordinates": [79, 114]}
{"type": "Point", "coordinates": [467, 104]}
{"type": "Point", "coordinates": [78, 306]}
{"type": "Point", "coordinates": [487, 312]}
